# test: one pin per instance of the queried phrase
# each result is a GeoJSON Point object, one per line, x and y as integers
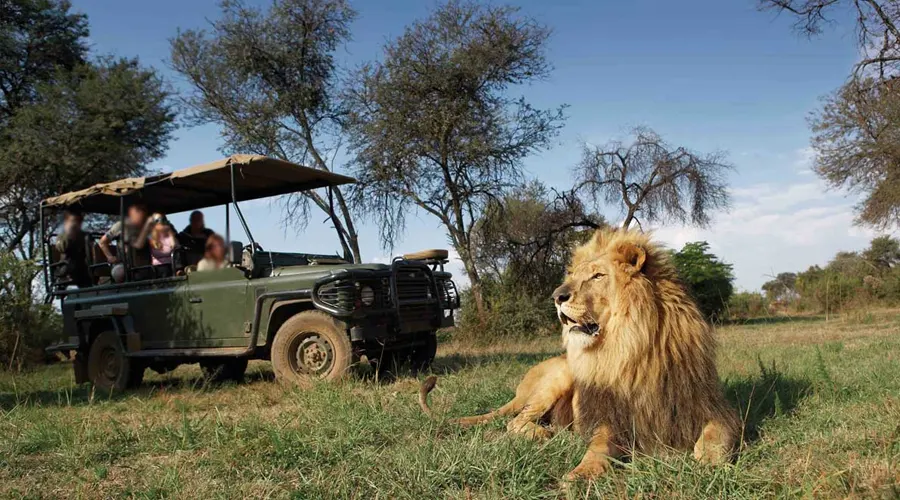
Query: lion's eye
{"type": "Point", "coordinates": [597, 276]}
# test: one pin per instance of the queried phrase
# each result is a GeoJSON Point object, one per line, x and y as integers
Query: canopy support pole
{"type": "Point", "coordinates": [228, 223]}
{"type": "Point", "coordinates": [237, 210]}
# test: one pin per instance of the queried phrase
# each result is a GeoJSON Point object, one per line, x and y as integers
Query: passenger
{"type": "Point", "coordinates": [135, 234]}
{"type": "Point", "coordinates": [194, 237]}
{"type": "Point", "coordinates": [72, 247]}
{"type": "Point", "coordinates": [162, 243]}
{"type": "Point", "coordinates": [214, 257]}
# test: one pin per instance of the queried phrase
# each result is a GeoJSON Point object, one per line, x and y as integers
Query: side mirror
{"type": "Point", "coordinates": [235, 250]}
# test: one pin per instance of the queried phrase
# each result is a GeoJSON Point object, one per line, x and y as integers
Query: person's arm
{"type": "Point", "coordinates": [105, 240]}
{"type": "Point", "coordinates": [142, 238]}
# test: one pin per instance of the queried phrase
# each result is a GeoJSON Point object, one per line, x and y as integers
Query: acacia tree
{"type": "Point", "coordinates": [524, 241]}
{"type": "Point", "coordinates": [269, 79]}
{"type": "Point", "coordinates": [432, 125]}
{"type": "Point", "coordinates": [855, 133]}
{"type": "Point", "coordinates": [67, 122]}
{"type": "Point", "coordinates": [652, 181]}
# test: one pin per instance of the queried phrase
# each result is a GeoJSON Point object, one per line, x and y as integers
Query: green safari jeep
{"type": "Point", "coordinates": [313, 316]}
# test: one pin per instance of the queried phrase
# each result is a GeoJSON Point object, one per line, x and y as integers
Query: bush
{"type": "Point", "coordinates": [746, 305]}
{"type": "Point", "coordinates": [26, 325]}
{"type": "Point", "coordinates": [706, 277]}
{"type": "Point", "coordinates": [511, 313]}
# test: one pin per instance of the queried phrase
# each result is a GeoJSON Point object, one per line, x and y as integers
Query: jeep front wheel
{"type": "Point", "coordinates": [311, 346]}
{"type": "Point", "coordinates": [108, 367]}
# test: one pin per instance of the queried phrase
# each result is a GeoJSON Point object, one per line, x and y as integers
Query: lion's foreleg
{"type": "Point", "coordinates": [596, 460]}
{"type": "Point", "coordinates": [715, 444]}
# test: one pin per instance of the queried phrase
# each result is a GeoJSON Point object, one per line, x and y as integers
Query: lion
{"type": "Point", "coordinates": [640, 359]}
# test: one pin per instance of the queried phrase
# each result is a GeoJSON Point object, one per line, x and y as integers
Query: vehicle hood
{"type": "Point", "coordinates": [317, 271]}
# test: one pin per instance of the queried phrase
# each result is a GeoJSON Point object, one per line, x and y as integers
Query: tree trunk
{"type": "Point", "coordinates": [474, 283]}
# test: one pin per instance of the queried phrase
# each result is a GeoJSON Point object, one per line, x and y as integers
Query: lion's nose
{"type": "Point", "coordinates": [561, 294]}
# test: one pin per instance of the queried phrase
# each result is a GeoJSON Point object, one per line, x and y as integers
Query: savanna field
{"type": "Point", "coordinates": [820, 400]}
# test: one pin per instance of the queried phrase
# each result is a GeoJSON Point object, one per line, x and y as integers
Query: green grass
{"type": "Point", "coordinates": [821, 401]}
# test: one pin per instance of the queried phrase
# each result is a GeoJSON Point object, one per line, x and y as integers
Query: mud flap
{"type": "Point", "coordinates": [81, 368]}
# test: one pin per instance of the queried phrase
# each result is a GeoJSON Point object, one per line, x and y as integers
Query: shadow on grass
{"type": "Point", "coordinates": [775, 320]}
{"type": "Point", "coordinates": [766, 395]}
{"type": "Point", "coordinates": [85, 394]}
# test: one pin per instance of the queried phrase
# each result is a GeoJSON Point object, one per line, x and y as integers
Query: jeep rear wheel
{"type": "Point", "coordinates": [108, 367]}
{"type": "Point", "coordinates": [311, 346]}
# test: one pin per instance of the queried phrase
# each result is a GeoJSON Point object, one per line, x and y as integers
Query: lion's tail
{"type": "Point", "coordinates": [428, 385]}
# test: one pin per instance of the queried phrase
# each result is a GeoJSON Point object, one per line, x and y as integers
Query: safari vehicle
{"type": "Point", "coordinates": [313, 316]}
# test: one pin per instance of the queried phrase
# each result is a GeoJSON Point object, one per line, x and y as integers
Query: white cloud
{"type": "Point", "coordinates": [777, 227]}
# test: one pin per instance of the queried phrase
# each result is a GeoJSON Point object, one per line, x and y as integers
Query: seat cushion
{"type": "Point", "coordinates": [433, 254]}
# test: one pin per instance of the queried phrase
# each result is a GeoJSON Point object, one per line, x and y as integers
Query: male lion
{"type": "Point", "coordinates": [640, 358]}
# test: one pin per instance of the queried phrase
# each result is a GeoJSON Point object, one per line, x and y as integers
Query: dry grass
{"type": "Point", "coordinates": [821, 402]}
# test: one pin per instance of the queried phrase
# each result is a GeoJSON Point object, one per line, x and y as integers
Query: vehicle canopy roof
{"type": "Point", "coordinates": [202, 186]}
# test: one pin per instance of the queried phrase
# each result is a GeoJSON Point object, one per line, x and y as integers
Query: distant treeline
{"type": "Point", "coordinates": [850, 280]}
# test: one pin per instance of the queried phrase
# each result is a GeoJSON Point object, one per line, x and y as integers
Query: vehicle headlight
{"type": "Point", "coordinates": [367, 295]}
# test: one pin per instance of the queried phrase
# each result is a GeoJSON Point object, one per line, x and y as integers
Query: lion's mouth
{"type": "Point", "coordinates": [591, 329]}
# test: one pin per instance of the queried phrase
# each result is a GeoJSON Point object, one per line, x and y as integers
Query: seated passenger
{"type": "Point", "coordinates": [162, 243]}
{"type": "Point", "coordinates": [135, 235]}
{"type": "Point", "coordinates": [194, 236]}
{"type": "Point", "coordinates": [214, 258]}
{"type": "Point", "coordinates": [72, 247]}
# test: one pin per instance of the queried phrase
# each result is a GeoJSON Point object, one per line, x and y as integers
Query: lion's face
{"type": "Point", "coordinates": [597, 285]}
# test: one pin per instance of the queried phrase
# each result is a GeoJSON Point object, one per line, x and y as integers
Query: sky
{"type": "Point", "coordinates": [706, 74]}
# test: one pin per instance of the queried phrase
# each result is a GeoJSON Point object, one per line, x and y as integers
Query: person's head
{"type": "Point", "coordinates": [72, 220]}
{"type": "Point", "coordinates": [138, 213]}
{"type": "Point", "coordinates": [215, 248]}
{"type": "Point", "coordinates": [161, 231]}
{"type": "Point", "coordinates": [197, 222]}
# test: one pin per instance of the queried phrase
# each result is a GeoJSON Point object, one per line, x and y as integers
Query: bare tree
{"type": "Point", "coordinates": [432, 125]}
{"type": "Point", "coordinates": [270, 80]}
{"type": "Point", "coordinates": [876, 27]}
{"type": "Point", "coordinates": [653, 181]}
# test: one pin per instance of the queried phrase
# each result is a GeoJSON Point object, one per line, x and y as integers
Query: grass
{"type": "Point", "coordinates": [821, 402]}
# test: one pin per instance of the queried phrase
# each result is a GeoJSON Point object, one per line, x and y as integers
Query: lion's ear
{"type": "Point", "coordinates": [632, 257]}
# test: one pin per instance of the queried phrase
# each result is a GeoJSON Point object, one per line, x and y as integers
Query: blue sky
{"type": "Point", "coordinates": [707, 74]}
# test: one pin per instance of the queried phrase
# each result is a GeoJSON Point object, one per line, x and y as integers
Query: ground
{"type": "Point", "coordinates": [820, 398]}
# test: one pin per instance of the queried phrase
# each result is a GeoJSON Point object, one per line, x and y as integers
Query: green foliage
{"type": "Point", "coordinates": [782, 288]}
{"type": "Point", "coordinates": [26, 326]}
{"type": "Point", "coordinates": [268, 78]}
{"type": "Point", "coordinates": [433, 125]}
{"type": "Point", "coordinates": [747, 305]}
{"type": "Point", "coordinates": [708, 279]}
{"type": "Point", "coordinates": [38, 38]}
{"type": "Point", "coordinates": [512, 314]}
{"type": "Point", "coordinates": [68, 123]}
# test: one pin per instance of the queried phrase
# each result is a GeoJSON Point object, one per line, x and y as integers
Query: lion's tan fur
{"type": "Point", "coordinates": [648, 379]}
{"type": "Point", "coordinates": [639, 370]}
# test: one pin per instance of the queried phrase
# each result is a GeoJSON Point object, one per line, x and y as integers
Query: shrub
{"type": "Point", "coordinates": [746, 305]}
{"type": "Point", "coordinates": [26, 325]}
{"type": "Point", "coordinates": [511, 314]}
{"type": "Point", "coordinates": [706, 277]}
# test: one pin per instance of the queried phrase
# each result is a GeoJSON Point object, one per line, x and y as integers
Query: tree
{"type": "Point", "coordinates": [877, 27]}
{"type": "Point", "coordinates": [855, 133]}
{"type": "Point", "coordinates": [67, 123]}
{"type": "Point", "coordinates": [37, 39]}
{"type": "Point", "coordinates": [269, 79]}
{"type": "Point", "coordinates": [433, 126]}
{"type": "Point", "coordinates": [653, 181]}
{"type": "Point", "coordinates": [883, 252]}
{"type": "Point", "coordinates": [708, 279]}
{"type": "Point", "coordinates": [525, 240]}
{"type": "Point", "coordinates": [782, 288]}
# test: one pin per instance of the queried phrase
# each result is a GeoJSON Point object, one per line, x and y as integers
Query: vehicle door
{"type": "Point", "coordinates": [219, 309]}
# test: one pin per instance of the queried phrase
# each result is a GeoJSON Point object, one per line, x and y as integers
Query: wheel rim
{"type": "Point", "coordinates": [110, 364]}
{"type": "Point", "coordinates": [312, 354]}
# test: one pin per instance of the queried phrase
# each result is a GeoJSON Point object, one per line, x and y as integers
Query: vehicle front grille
{"type": "Point", "coordinates": [448, 293]}
{"type": "Point", "coordinates": [416, 301]}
